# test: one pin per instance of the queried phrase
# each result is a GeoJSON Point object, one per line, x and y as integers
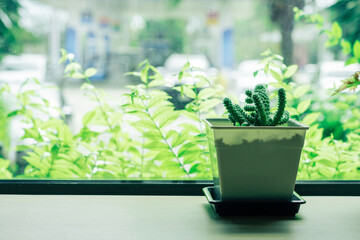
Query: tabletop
{"type": "Point", "coordinates": [167, 217]}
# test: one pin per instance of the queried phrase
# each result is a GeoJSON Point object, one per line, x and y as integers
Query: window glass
{"type": "Point", "coordinates": [105, 89]}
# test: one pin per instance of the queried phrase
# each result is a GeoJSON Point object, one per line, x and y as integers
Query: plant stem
{"type": "Point", "coordinates": [163, 137]}
{"type": "Point", "coordinates": [337, 163]}
{"type": "Point", "coordinates": [198, 112]}
{"type": "Point", "coordinates": [94, 165]}
{"type": "Point", "coordinates": [142, 158]}
{"type": "Point", "coordinates": [106, 117]}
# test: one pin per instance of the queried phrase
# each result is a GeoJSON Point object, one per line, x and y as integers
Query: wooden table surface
{"type": "Point", "coordinates": [54, 217]}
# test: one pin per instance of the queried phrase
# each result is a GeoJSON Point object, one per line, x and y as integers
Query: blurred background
{"type": "Point", "coordinates": [224, 38]}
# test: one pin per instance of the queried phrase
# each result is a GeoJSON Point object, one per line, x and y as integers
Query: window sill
{"type": "Point", "coordinates": [188, 188]}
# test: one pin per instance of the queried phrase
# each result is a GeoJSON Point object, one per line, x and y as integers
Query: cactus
{"type": "Point", "coordinates": [256, 111]}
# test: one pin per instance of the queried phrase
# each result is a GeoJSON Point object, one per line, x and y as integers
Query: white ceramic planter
{"type": "Point", "coordinates": [256, 163]}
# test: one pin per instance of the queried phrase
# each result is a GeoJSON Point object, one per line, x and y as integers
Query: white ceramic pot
{"type": "Point", "coordinates": [254, 163]}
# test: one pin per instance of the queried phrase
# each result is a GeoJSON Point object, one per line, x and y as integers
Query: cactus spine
{"type": "Point", "coordinates": [256, 111]}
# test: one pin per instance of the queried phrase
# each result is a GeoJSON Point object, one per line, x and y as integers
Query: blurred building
{"type": "Point", "coordinates": [102, 34]}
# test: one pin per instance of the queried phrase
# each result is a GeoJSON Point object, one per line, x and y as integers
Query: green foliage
{"type": "Point", "coordinates": [327, 158]}
{"type": "Point", "coordinates": [351, 49]}
{"type": "Point", "coordinates": [4, 169]}
{"type": "Point", "coordinates": [12, 35]}
{"type": "Point", "coordinates": [140, 137]}
{"type": "Point", "coordinates": [346, 13]}
{"type": "Point", "coordinates": [316, 19]}
{"type": "Point", "coordinates": [323, 156]}
{"type": "Point", "coordinates": [331, 149]}
{"type": "Point", "coordinates": [338, 115]}
{"type": "Point", "coordinates": [4, 124]}
{"type": "Point", "coordinates": [257, 110]}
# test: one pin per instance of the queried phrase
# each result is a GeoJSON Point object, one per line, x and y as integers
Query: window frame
{"type": "Point", "coordinates": [161, 187]}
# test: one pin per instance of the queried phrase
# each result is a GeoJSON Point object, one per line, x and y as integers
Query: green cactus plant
{"type": "Point", "coordinates": [256, 111]}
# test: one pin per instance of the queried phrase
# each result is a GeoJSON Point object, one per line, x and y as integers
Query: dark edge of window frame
{"type": "Point", "coordinates": [169, 188]}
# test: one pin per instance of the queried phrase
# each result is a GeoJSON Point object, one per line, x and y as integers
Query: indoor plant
{"type": "Point", "coordinates": [252, 156]}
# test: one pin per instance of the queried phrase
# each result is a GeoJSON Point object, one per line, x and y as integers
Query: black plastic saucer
{"type": "Point", "coordinates": [259, 208]}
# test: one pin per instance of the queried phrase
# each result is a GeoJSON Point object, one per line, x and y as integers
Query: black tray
{"type": "Point", "coordinates": [268, 208]}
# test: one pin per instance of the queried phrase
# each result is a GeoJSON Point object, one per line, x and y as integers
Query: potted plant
{"type": "Point", "coordinates": [255, 153]}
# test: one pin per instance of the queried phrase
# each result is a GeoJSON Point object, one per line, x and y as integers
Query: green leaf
{"type": "Point", "coordinates": [63, 53]}
{"type": "Point", "coordinates": [266, 68]}
{"type": "Point", "coordinates": [196, 168]}
{"type": "Point", "coordinates": [267, 52]}
{"type": "Point", "coordinates": [255, 73]}
{"type": "Point", "coordinates": [31, 133]}
{"type": "Point", "coordinates": [342, 105]}
{"type": "Point", "coordinates": [169, 120]}
{"type": "Point", "coordinates": [171, 134]}
{"type": "Point", "coordinates": [87, 86]}
{"type": "Point", "coordinates": [136, 74]}
{"type": "Point", "coordinates": [23, 147]}
{"type": "Point", "coordinates": [5, 88]}
{"type": "Point", "coordinates": [179, 139]}
{"type": "Point", "coordinates": [290, 71]}
{"type": "Point", "coordinates": [88, 117]}
{"type": "Point", "coordinates": [146, 123]}
{"type": "Point", "coordinates": [292, 111]}
{"type": "Point", "coordinates": [303, 106]}
{"type": "Point", "coordinates": [54, 151]}
{"type": "Point", "coordinates": [346, 46]}
{"type": "Point", "coordinates": [72, 67]}
{"type": "Point", "coordinates": [336, 30]}
{"type": "Point", "coordinates": [189, 92]}
{"type": "Point", "coordinates": [190, 146]}
{"type": "Point", "coordinates": [209, 104]}
{"type": "Point", "coordinates": [191, 127]}
{"type": "Point", "coordinates": [156, 145]}
{"type": "Point", "coordinates": [116, 118]}
{"type": "Point", "coordinates": [276, 75]}
{"type": "Point", "coordinates": [64, 134]}
{"type": "Point", "coordinates": [278, 57]}
{"type": "Point", "coordinates": [157, 82]}
{"type": "Point", "coordinates": [182, 72]}
{"type": "Point", "coordinates": [276, 84]}
{"type": "Point", "coordinates": [157, 102]}
{"type": "Point", "coordinates": [326, 163]}
{"type": "Point", "coordinates": [310, 118]}
{"type": "Point", "coordinates": [202, 81]}
{"type": "Point", "coordinates": [301, 90]}
{"type": "Point", "coordinates": [164, 156]}
{"type": "Point", "coordinates": [206, 93]}
{"type": "Point", "coordinates": [171, 166]}
{"type": "Point", "coordinates": [51, 123]}
{"type": "Point", "coordinates": [191, 156]}
{"type": "Point", "coordinates": [77, 75]}
{"type": "Point", "coordinates": [190, 115]}
{"type": "Point", "coordinates": [34, 160]}
{"type": "Point", "coordinates": [356, 113]}
{"type": "Point", "coordinates": [4, 163]}
{"type": "Point", "coordinates": [90, 72]}
{"type": "Point", "coordinates": [356, 49]}
{"type": "Point", "coordinates": [331, 42]}
{"type": "Point", "coordinates": [152, 134]}
{"type": "Point", "coordinates": [14, 113]}
{"type": "Point", "coordinates": [350, 61]}
{"type": "Point", "coordinates": [162, 112]}
{"type": "Point", "coordinates": [143, 63]}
